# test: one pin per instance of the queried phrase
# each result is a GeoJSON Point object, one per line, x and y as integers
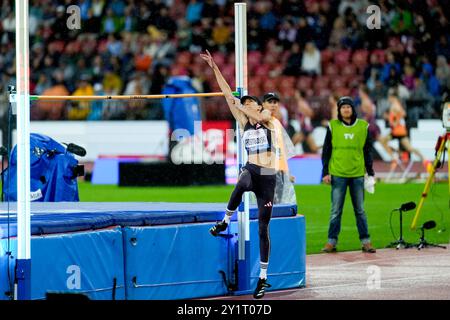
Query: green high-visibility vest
{"type": "Point", "coordinates": [347, 155]}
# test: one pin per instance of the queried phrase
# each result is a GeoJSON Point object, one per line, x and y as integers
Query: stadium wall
{"type": "Point", "coordinates": [150, 138]}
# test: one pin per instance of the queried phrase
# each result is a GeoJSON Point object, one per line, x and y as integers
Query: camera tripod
{"type": "Point", "coordinates": [441, 147]}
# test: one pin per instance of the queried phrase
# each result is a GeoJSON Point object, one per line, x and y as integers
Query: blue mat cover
{"type": "Point", "coordinates": [146, 250]}
{"type": "Point", "coordinates": [60, 217]}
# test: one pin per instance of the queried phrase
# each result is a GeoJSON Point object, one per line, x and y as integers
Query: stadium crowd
{"type": "Point", "coordinates": [310, 51]}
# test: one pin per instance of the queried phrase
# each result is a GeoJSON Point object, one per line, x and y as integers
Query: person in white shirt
{"type": "Point", "coordinates": [311, 60]}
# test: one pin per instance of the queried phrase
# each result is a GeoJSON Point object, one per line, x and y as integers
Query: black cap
{"type": "Point", "coordinates": [345, 100]}
{"type": "Point", "coordinates": [243, 98]}
{"type": "Point", "coordinates": [271, 96]}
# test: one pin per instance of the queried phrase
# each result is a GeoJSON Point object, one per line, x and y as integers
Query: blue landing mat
{"type": "Point", "coordinates": [60, 217]}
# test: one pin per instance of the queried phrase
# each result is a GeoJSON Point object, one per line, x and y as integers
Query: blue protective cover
{"type": "Point", "coordinates": [184, 261]}
{"type": "Point", "coordinates": [181, 112]}
{"type": "Point", "coordinates": [50, 218]}
{"type": "Point", "coordinates": [174, 262]}
{"type": "Point", "coordinates": [51, 175]}
{"type": "Point", "coordinates": [85, 262]}
{"type": "Point", "coordinates": [287, 260]}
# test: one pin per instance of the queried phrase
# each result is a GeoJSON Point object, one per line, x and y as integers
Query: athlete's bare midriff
{"type": "Point", "coordinates": [265, 159]}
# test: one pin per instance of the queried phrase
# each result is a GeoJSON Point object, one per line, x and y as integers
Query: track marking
{"type": "Point", "coordinates": [369, 261]}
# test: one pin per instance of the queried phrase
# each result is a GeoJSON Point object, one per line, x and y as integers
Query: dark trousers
{"type": "Point", "coordinates": [262, 183]}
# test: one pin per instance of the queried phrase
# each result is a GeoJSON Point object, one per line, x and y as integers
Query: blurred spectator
{"type": "Point", "coordinates": [144, 15]}
{"type": "Point", "coordinates": [84, 8]}
{"type": "Point", "coordinates": [268, 20]}
{"type": "Point", "coordinates": [79, 110]}
{"type": "Point", "coordinates": [422, 99]}
{"type": "Point", "coordinates": [338, 34]}
{"type": "Point", "coordinates": [353, 5]}
{"type": "Point", "coordinates": [391, 70]}
{"type": "Point", "coordinates": [138, 83]}
{"type": "Point", "coordinates": [368, 112]}
{"type": "Point", "coordinates": [373, 66]}
{"type": "Point", "coordinates": [287, 34]}
{"type": "Point", "coordinates": [199, 39]}
{"type": "Point", "coordinates": [42, 84]}
{"type": "Point", "coordinates": [422, 34]}
{"type": "Point", "coordinates": [409, 77]}
{"type": "Point", "coordinates": [142, 60]}
{"type": "Point", "coordinates": [420, 91]}
{"type": "Point", "coordinates": [112, 23]}
{"type": "Point", "coordinates": [311, 60]}
{"type": "Point", "coordinates": [353, 39]}
{"type": "Point", "coordinates": [114, 45]}
{"type": "Point", "coordinates": [254, 35]}
{"type": "Point", "coordinates": [443, 72]}
{"type": "Point", "coordinates": [294, 61]}
{"type": "Point", "coordinates": [160, 49]}
{"type": "Point", "coordinates": [402, 21]}
{"type": "Point", "coordinates": [210, 9]}
{"type": "Point", "coordinates": [184, 35]}
{"type": "Point", "coordinates": [221, 34]}
{"type": "Point", "coordinates": [194, 11]}
{"type": "Point", "coordinates": [117, 6]}
{"type": "Point", "coordinates": [159, 78]}
{"type": "Point", "coordinates": [97, 69]}
{"type": "Point", "coordinates": [164, 22]}
{"type": "Point", "coordinates": [112, 82]}
{"type": "Point", "coordinates": [443, 46]}
{"type": "Point", "coordinates": [83, 70]}
{"type": "Point", "coordinates": [113, 109]}
{"type": "Point", "coordinates": [304, 32]}
{"type": "Point", "coordinates": [136, 108]}
{"type": "Point", "coordinates": [430, 80]}
{"type": "Point", "coordinates": [304, 114]}
{"type": "Point", "coordinates": [372, 80]}
{"type": "Point", "coordinates": [332, 105]}
{"type": "Point", "coordinates": [51, 110]}
{"type": "Point", "coordinates": [130, 21]}
{"type": "Point", "coordinates": [60, 24]}
{"type": "Point", "coordinates": [9, 25]}
{"type": "Point", "coordinates": [402, 92]}
{"type": "Point", "coordinates": [97, 8]}
{"type": "Point", "coordinates": [96, 111]}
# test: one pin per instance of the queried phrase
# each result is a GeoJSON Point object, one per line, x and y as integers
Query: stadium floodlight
{"type": "Point", "coordinates": [401, 243]}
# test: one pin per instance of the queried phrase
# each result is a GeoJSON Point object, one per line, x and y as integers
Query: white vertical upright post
{"type": "Point", "coordinates": [240, 30]}
{"type": "Point", "coordinates": [23, 262]}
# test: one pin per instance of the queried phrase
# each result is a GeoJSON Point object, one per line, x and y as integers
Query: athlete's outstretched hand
{"type": "Point", "coordinates": [208, 58]}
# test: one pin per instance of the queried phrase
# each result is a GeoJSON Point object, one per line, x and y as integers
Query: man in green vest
{"type": "Point", "coordinates": [346, 157]}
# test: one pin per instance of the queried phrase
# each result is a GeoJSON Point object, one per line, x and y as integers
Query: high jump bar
{"type": "Point", "coordinates": [129, 97]}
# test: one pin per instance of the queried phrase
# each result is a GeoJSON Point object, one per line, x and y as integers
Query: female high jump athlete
{"type": "Point", "coordinates": [258, 174]}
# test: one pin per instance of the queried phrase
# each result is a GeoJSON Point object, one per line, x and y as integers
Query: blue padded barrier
{"type": "Point", "coordinates": [84, 262]}
{"type": "Point", "coordinates": [287, 258]}
{"type": "Point", "coordinates": [184, 261]}
{"type": "Point", "coordinates": [152, 253]}
{"type": "Point", "coordinates": [174, 262]}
